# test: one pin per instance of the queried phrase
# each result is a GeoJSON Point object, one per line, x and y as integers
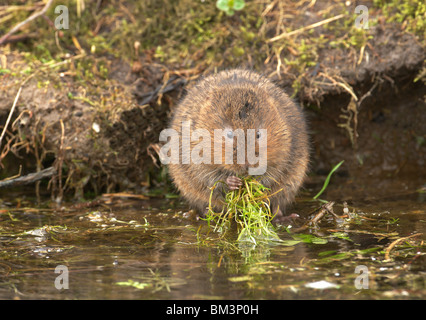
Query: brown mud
{"type": "Point", "coordinates": [96, 117]}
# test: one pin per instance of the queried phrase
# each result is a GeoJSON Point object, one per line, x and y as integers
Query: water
{"type": "Point", "coordinates": [130, 249]}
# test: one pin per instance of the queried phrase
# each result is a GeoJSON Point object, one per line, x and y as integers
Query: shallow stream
{"type": "Point", "coordinates": [144, 249]}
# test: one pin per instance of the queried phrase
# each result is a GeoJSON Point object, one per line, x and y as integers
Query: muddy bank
{"type": "Point", "coordinates": [389, 154]}
{"type": "Point", "coordinates": [94, 112]}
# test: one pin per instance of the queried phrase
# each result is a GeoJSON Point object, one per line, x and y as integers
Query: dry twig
{"type": "Point", "coordinates": [393, 244]}
{"type": "Point", "coordinates": [312, 26]}
{"type": "Point", "coordinates": [326, 208]}
{"type": "Point", "coordinates": [29, 178]}
{"type": "Point", "coordinates": [23, 23]}
{"type": "Point", "coordinates": [10, 115]}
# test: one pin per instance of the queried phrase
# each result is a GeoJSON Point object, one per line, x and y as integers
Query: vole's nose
{"type": "Point", "coordinates": [246, 166]}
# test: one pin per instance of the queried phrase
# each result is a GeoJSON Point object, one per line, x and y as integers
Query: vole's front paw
{"type": "Point", "coordinates": [234, 182]}
{"type": "Point", "coordinates": [285, 220]}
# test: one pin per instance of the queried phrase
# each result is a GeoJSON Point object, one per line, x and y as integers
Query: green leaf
{"type": "Point", "coordinates": [135, 284]}
{"type": "Point", "coordinates": [290, 243]}
{"type": "Point", "coordinates": [328, 179]}
{"type": "Point", "coordinates": [326, 253]}
{"type": "Point", "coordinates": [228, 6]}
{"type": "Point", "coordinates": [342, 235]}
{"type": "Point", "coordinates": [238, 4]}
{"type": "Point", "coordinates": [317, 240]}
{"type": "Point", "coordinates": [309, 238]}
{"type": "Point", "coordinates": [222, 5]}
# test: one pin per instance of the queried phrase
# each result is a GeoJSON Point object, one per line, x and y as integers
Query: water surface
{"type": "Point", "coordinates": [137, 249]}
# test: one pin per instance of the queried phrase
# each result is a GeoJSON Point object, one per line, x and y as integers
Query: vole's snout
{"type": "Point", "coordinates": [240, 169]}
{"type": "Point", "coordinates": [244, 168]}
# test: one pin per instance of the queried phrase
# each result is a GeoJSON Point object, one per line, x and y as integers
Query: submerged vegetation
{"type": "Point", "coordinates": [127, 252]}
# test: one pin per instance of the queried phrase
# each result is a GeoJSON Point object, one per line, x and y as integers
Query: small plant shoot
{"type": "Point", "coordinates": [230, 6]}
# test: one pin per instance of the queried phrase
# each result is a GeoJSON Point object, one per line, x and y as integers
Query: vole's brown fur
{"type": "Point", "coordinates": [241, 99]}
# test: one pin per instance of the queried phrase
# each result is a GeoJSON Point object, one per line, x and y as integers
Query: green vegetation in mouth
{"type": "Point", "coordinates": [249, 207]}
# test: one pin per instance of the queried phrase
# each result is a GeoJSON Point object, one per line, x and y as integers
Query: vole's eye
{"type": "Point", "coordinates": [258, 135]}
{"type": "Point", "coordinates": [230, 134]}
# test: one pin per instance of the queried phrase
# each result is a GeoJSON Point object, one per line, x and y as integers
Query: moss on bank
{"type": "Point", "coordinates": [121, 65]}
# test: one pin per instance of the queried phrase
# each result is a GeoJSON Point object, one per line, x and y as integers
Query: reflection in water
{"type": "Point", "coordinates": [126, 252]}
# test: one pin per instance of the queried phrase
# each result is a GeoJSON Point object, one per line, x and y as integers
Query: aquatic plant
{"type": "Point", "coordinates": [327, 180]}
{"type": "Point", "coordinates": [249, 207]}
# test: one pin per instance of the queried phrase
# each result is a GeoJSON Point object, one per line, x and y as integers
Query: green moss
{"type": "Point", "coordinates": [307, 55]}
{"type": "Point", "coordinates": [189, 33]}
{"type": "Point", "coordinates": [410, 13]}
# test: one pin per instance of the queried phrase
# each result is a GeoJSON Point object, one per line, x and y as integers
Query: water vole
{"type": "Point", "coordinates": [232, 102]}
